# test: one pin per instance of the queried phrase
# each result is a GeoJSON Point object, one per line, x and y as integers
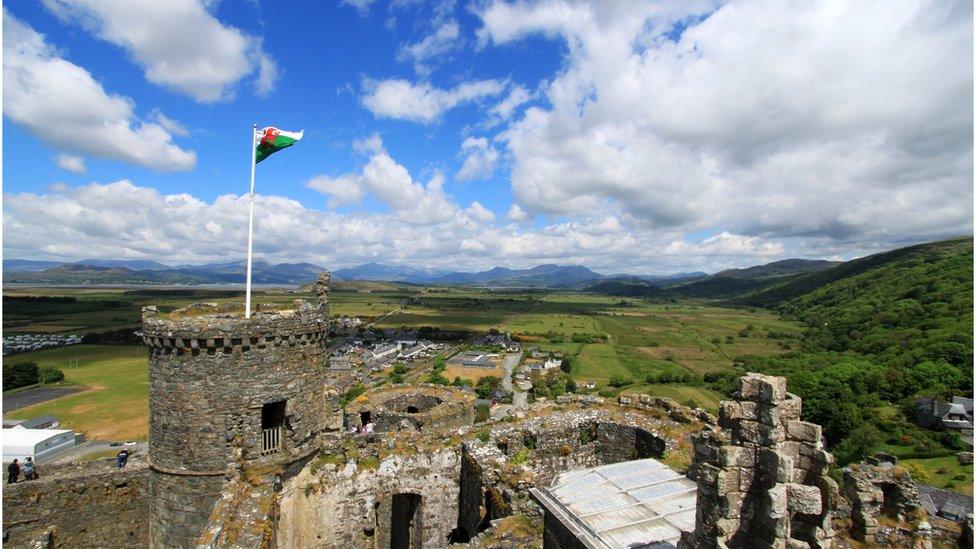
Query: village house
{"type": "Point", "coordinates": [937, 414]}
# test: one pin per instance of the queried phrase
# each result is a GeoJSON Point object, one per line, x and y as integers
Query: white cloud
{"type": "Point", "coordinates": [362, 6]}
{"type": "Point", "coordinates": [479, 159]}
{"type": "Point", "coordinates": [422, 102]}
{"type": "Point", "coordinates": [392, 184]}
{"type": "Point", "coordinates": [515, 98]}
{"type": "Point", "coordinates": [814, 122]}
{"type": "Point", "coordinates": [71, 163]}
{"type": "Point", "coordinates": [63, 105]}
{"type": "Point", "coordinates": [726, 244]}
{"type": "Point", "coordinates": [480, 213]}
{"type": "Point", "coordinates": [517, 214]}
{"type": "Point", "coordinates": [124, 220]}
{"type": "Point", "coordinates": [172, 126]}
{"type": "Point", "coordinates": [433, 48]}
{"type": "Point", "coordinates": [178, 43]}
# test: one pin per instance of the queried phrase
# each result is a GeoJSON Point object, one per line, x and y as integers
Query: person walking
{"type": "Point", "coordinates": [13, 471]}
{"type": "Point", "coordinates": [28, 469]}
{"type": "Point", "coordinates": [123, 457]}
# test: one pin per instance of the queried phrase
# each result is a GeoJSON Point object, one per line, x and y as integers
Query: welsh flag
{"type": "Point", "coordinates": [271, 140]}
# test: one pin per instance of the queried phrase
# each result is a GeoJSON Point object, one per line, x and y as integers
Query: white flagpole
{"type": "Point", "coordinates": [250, 224]}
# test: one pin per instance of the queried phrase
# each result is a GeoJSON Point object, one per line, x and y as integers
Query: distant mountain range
{"type": "Point", "coordinates": [106, 271]}
{"type": "Point", "coordinates": [113, 271]}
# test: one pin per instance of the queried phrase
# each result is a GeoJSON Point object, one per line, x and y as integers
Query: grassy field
{"type": "Point", "coordinates": [947, 473]}
{"type": "Point", "coordinates": [115, 406]}
{"type": "Point", "coordinates": [609, 336]}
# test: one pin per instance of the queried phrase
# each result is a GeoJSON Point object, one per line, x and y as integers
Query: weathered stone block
{"type": "Point", "coordinates": [774, 466]}
{"type": "Point", "coordinates": [803, 431]}
{"type": "Point", "coordinates": [761, 388]}
{"type": "Point", "coordinates": [736, 456]}
{"type": "Point", "coordinates": [803, 499]}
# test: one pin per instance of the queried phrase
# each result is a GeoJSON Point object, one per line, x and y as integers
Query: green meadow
{"type": "Point", "coordinates": [114, 405]}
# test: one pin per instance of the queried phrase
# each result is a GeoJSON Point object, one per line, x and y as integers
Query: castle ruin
{"type": "Point", "coordinates": [250, 448]}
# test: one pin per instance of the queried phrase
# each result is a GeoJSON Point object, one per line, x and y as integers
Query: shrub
{"type": "Point", "coordinates": [481, 413]}
{"type": "Point", "coordinates": [520, 457]}
{"type": "Point", "coordinates": [484, 435]}
{"type": "Point", "coordinates": [351, 394]}
{"type": "Point", "coordinates": [918, 472]}
{"type": "Point", "coordinates": [50, 374]}
{"type": "Point", "coordinates": [617, 380]}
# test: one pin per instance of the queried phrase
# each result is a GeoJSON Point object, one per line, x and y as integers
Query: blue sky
{"type": "Point", "coordinates": [644, 137]}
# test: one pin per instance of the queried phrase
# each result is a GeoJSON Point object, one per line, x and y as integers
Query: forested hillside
{"type": "Point", "coordinates": [882, 330]}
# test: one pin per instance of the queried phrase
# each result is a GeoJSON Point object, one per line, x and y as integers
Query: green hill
{"type": "Point", "coordinates": [881, 330]}
{"type": "Point", "coordinates": [786, 267]}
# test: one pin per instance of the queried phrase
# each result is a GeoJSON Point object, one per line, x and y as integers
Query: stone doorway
{"type": "Point", "coordinates": [405, 521]}
{"type": "Point", "coordinates": [272, 420]}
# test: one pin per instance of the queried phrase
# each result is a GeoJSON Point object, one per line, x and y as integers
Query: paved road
{"type": "Point", "coordinates": [36, 396]}
{"type": "Point", "coordinates": [511, 361]}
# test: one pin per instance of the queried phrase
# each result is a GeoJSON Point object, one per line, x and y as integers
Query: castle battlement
{"type": "Point", "coordinates": [227, 333]}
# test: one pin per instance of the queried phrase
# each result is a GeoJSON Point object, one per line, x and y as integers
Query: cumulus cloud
{"type": "Point", "coordinates": [517, 214]}
{"type": "Point", "coordinates": [726, 244]}
{"type": "Point", "coordinates": [422, 102]}
{"type": "Point", "coordinates": [809, 121]}
{"type": "Point", "coordinates": [63, 105]}
{"type": "Point", "coordinates": [433, 48]}
{"type": "Point", "coordinates": [125, 220]}
{"type": "Point", "coordinates": [479, 159]}
{"type": "Point", "coordinates": [71, 163]}
{"type": "Point", "coordinates": [480, 213]}
{"type": "Point", "coordinates": [392, 184]}
{"type": "Point", "coordinates": [178, 43]}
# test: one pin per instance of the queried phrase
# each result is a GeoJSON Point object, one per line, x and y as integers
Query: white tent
{"type": "Point", "coordinates": [37, 443]}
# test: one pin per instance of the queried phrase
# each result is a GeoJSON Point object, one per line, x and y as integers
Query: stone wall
{"type": "Point", "coordinates": [412, 408]}
{"type": "Point", "coordinates": [762, 479]}
{"type": "Point", "coordinates": [329, 505]}
{"type": "Point", "coordinates": [94, 506]}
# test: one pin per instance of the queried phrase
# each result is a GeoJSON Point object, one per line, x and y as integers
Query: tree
{"type": "Point", "coordinates": [618, 380]}
{"type": "Point", "coordinates": [862, 443]}
{"type": "Point", "coordinates": [20, 374]}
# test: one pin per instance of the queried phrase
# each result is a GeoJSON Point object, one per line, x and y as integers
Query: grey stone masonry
{"type": "Point", "coordinates": [874, 491]}
{"type": "Point", "coordinates": [762, 475]}
{"type": "Point", "coordinates": [213, 377]}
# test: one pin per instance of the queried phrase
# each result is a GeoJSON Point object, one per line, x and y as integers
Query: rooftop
{"type": "Point", "coordinates": [630, 504]}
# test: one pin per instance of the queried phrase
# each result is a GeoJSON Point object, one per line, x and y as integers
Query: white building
{"type": "Point", "coordinates": [40, 444]}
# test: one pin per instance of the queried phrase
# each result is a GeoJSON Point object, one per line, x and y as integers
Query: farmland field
{"type": "Point", "coordinates": [603, 337]}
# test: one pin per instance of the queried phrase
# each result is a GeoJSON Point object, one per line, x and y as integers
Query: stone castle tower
{"type": "Point", "coordinates": [226, 392]}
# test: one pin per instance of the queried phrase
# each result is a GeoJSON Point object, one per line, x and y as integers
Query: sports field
{"type": "Point", "coordinates": [115, 404]}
